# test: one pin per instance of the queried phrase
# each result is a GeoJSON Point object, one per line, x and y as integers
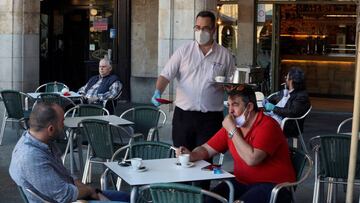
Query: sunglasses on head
{"type": "Point", "coordinates": [231, 88]}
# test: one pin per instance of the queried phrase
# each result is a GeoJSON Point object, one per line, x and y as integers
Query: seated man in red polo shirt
{"type": "Point", "coordinates": [257, 145]}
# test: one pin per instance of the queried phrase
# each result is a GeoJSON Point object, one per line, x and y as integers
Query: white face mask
{"type": "Point", "coordinates": [202, 37]}
{"type": "Point", "coordinates": [240, 121]}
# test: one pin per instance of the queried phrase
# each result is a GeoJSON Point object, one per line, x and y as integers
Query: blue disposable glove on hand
{"type": "Point", "coordinates": [157, 94]}
{"type": "Point", "coordinates": [264, 102]}
{"type": "Point", "coordinates": [269, 106]}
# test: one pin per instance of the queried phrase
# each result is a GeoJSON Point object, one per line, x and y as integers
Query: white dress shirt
{"type": "Point", "coordinates": [195, 75]}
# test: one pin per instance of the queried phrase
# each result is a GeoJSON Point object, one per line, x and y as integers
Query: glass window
{"type": "Point", "coordinates": [227, 26]}
{"type": "Point", "coordinates": [102, 30]}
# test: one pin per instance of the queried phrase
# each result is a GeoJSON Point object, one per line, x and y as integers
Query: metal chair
{"type": "Point", "coordinates": [16, 109]}
{"type": "Point", "coordinates": [86, 110]}
{"type": "Point", "coordinates": [299, 160]}
{"type": "Point", "coordinates": [300, 136]}
{"type": "Point", "coordinates": [145, 150]}
{"type": "Point", "coordinates": [146, 120]}
{"type": "Point", "coordinates": [111, 103]}
{"type": "Point", "coordinates": [79, 111]}
{"type": "Point", "coordinates": [100, 137]}
{"type": "Point", "coordinates": [51, 87]}
{"type": "Point", "coordinates": [332, 154]}
{"type": "Point", "coordinates": [342, 125]}
{"type": "Point", "coordinates": [259, 98]}
{"type": "Point", "coordinates": [64, 102]}
{"type": "Point", "coordinates": [176, 193]}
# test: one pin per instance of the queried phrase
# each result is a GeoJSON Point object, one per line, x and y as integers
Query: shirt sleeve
{"type": "Point", "coordinates": [219, 142]}
{"type": "Point", "coordinates": [114, 90]}
{"type": "Point", "coordinates": [48, 181]}
{"type": "Point", "coordinates": [268, 137]}
{"type": "Point", "coordinates": [82, 89]}
{"type": "Point", "coordinates": [172, 66]}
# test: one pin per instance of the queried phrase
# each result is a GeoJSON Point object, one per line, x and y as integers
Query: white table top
{"type": "Point", "coordinates": [72, 122]}
{"type": "Point", "coordinates": [165, 171]}
{"type": "Point", "coordinates": [34, 95]}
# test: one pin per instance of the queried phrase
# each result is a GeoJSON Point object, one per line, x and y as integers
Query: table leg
{"type": "Point", "coordinates": [80, 153]}
{"type": "Point", "coordinates": [133, 194]}
{"type": "Point", "coordinates": [71, 152]}
{"type": "Point", "coordinates": [231, 190]}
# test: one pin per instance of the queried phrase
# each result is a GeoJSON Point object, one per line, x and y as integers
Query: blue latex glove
{"type": "Point", "coordinates": [269, 106]}
{"type": "Point", "coordinates": [264, 102]}
{"type": "Point", "coordinates": [157, 94]}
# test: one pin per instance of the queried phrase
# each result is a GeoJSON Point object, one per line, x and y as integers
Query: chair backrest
{"type": "Point", "coordinates": [259, 98]}
{"type": "Point", "coordinates": [51, 87]}
{"type": "Point", "coordinates": [334, 154]}
{"type": "Point", "coordinates": [177, 193]}
{"type": "Point", "coordinates": [299, 159]}
{"type": "Point", "coordinates": [111, 104]}
{"type": "Point", "coordinates": [99, 136]}
{"type": "Point", "coordinates": [86, 110]}
{"type": "Point", "coordinates": [342, 124]}
{"type": "Point", "coordinates": [144, 118]}
{"type": "Point", "coordinates": [151, 150]}
{"type": "Point", "coordinates": [64, 102]}
{"type": "Point", "coordinates": [296, 119]}
{"type": "Point", "coordinates": [13, 103]}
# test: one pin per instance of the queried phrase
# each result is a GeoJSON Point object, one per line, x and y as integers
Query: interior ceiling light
{"type": "Point", "coordinates": [93, 12]}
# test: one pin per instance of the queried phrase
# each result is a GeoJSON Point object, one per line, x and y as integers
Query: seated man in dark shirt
{"type": "Point", "coordinates": [36, 163]}
{"type": "Point", "coordinates": [103, 86]}
{"type": "Point", "coordinates": [292, 102]}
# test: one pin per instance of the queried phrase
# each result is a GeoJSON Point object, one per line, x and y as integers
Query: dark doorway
{"type": "Point", "coordinates": [64, 39]}
{"type": "Point", "coordinates": [75, 35]}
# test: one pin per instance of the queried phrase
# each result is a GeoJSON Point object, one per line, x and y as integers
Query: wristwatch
{"type": "Point", "coordinates": [231, 133]}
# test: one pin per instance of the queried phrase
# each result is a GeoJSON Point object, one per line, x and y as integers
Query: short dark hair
{"type": "Point", "coordinates": [298, 78]}
{"type": "Point", "coordinates": [207, 14]}
{"type": "Point", "coordinates": [42, 115]}
{"type": "Point", "coordinates": [246, 93]}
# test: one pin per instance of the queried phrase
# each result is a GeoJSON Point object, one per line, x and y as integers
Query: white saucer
{"type": "Point", "coordinates": [141, 169]}
{"type": "Point", "coordinates": [190, 164]}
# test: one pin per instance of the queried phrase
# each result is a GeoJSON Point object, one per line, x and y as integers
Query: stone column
{"type": "Point", "coordinates": [176, 22]}
{"type": "Point", "coordinates": [246, 32]}
{"type": "Point", "coordinates": [19, 44]}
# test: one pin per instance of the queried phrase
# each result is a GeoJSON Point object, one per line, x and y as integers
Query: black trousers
{"type": "Point", "coordinates": [194, 128]}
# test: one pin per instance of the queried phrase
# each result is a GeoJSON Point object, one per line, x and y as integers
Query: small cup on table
{"type": "Point", "coordinates": [136, 163]}
{"type": "Point", "coordinates": [184, 159]}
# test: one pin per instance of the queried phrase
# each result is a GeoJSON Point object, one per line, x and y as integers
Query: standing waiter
{"type": "Point", "coordinates": [199, 102]}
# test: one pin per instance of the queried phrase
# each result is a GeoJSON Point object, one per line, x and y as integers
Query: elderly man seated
{"type": "Point", "coordinates": [257, 145]}
{"type": "Point", "coordinates": [36, 163]}
{"type": "Point", "coordinates": [103, 86]}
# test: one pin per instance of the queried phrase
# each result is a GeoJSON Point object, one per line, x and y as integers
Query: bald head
{"type": "Point", "coordinates": [45, 114]}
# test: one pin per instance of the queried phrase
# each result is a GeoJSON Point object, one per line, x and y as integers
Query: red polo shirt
{"type": "Point", "coordinates": [266, 135]}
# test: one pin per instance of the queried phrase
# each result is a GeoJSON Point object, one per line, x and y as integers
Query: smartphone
{"type": "Point", "coordinates": [124, 163]}
{"type": "Point", "coordinates": [211, 167]}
